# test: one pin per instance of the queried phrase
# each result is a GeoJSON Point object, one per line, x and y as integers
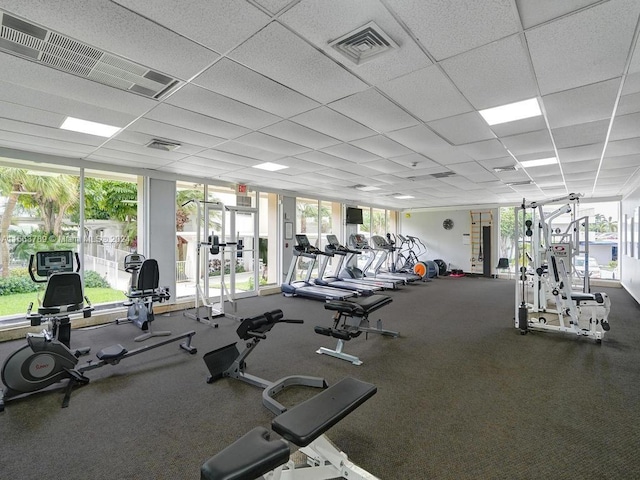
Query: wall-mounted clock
{"type": "Point", "coordinates": [447, 224]}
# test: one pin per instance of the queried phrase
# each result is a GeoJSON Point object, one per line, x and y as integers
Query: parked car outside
{"type": "Point", "coordinates": [594, 268]}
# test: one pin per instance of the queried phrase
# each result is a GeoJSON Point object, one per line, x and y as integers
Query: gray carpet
{"type": "Point", "coordinates": [461, 395]}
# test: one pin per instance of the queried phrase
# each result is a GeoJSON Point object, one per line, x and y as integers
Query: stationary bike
{"type": "Point", "coordinates": [47, 359]}
{"type": "Point", "coordinates": [143, 292]}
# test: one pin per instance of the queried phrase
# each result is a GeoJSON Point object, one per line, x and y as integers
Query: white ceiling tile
{"type": "Point", "coordinates": [382, 146]}
{"type": "Point", "coordinates": [117, 30]}
{"type": "Point", "coordinates": [625, 126]}
{"type": "Point", "coordinates": [42, 133]}
{"type": "Point", "coordinates": [449, 27]}
{"type": "Point", "coordinates": [494, 74]}
{"type": "Point", "coordinates": [581, 134]}
{"type": "Point", "coordinates": [535, 12]}
{"type": "Point", "coordinates": [29, 143]}
{"type": "Point", "coordinates": [574, 168]}
{"type": "Point", "coordinates": [248, 151]}
{"type": "Point", "coordinates": [386, 166]}
{"type": "Point", "coordinates": [529, 143]}
{"type": "Point", "coordinates": [449, 156]}
{"type": "Point", "coordinates": [374, 110]}
{"type": "Point", "coordinates": [629, 104]}
{"type": "Point", "coordinates": [461, 129]}
{"type": "Point", "coordinates": [142, 139]}
{"type": "Point", "coordinates": [622, 174]}
{"type": "Point", "coordinates": [415, 160]}
{"type": "Point", "coordinates": [180, 117]}
{"type": "Point", "coordinates": [279, 54]}
{"type": "Point", "coordinates": [321, 22]}
{"type": "Point", "coordinates": [203, 21]}
{"type": "Point", "coordinates": [628, 146]}
{"type": "Point", "coordinates": [334, 124]}
{"type": "Point", "coordinates": [584, 152]}
{"type": "Point", "coordinates": [483, 150]}
{"type": "Point", "coordinates": [420, 139]}
{"type": "Point", "coordinates": [271, 144]}
{"type": "Point", "coordinates": [301, 135]}
{"type": "Point", "coordinates": [26, 114]}
{"type": "Point", "coordinates": [473, 171]}
{"type": "Point", "coordinates": [581, 105]}
{"type": "Point", "coordinates": [177, 134]}
{"type": "Point", "coordinates": [214, 105]}
{"type": "Point", "coordinates": [427, 93]}
{"type": "Point", "coordinates": [240, 83]}
{"type": "Point", "coordinates": [588, 47]}
{"type": "Point", "coordinates": [351, 153]}
{"type": "Point", "coordinates": [322, 158]}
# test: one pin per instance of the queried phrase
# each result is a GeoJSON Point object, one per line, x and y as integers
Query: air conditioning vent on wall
{"type": "Point", "coordinates": [364, 44]}
{"type": "Point", "coordinates": [68, 55]}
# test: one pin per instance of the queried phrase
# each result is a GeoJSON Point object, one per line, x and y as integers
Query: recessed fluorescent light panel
{"type": "Point", "coordinates": [271, 167]}
{"type": "Point", "coordinates": [366, 188]}
{"type": "Point", "coordinates": [513, 111]}
{"type": "Point", "coordinates": [539, 162]}
{"type": "Point", "coordinates": [92, 128]}
{"type": "Point", "coordinates": [403, 197]}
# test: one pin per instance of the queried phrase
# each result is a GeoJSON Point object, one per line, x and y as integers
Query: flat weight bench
{"type": "Point", "coordinates": [255, 454]}
{"type": "Point", "coordinates": [350, 320]}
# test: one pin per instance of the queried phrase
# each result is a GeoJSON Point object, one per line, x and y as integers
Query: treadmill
{"type": "Point", "coordinates": [382, 248]}
{"type": "Point", "coordinates": [305, 288]}
{"type": "Point", "coordinates": [332, 250]}
{"type": "Point", "coordinates": [359, 242]}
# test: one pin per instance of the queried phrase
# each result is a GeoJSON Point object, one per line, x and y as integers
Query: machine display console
{"type": "Point", "coordinates": [48, 263]}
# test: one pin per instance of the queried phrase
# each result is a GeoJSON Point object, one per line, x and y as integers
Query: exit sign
{"type": "Point", "coordinates": [242, 189]}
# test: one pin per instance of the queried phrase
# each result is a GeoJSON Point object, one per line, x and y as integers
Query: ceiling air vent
{"type": "Point", "coordinates": [523, 182]}
{"type": "Point", "coordinates": [163, 145]}
{"type": "Point", "coordinates": [511, 168]}
{"type": "Point", "coordinates": [443, 174]}
{"type": "Point", "coordinates": [364, 44]}
{"type": "Point", "coordinates": [64, 53]}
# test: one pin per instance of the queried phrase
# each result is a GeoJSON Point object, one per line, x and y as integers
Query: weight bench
{"type": "Point", "coordinates": [255, 454]}
{"type": "Point", "coordinates": [350, 320]}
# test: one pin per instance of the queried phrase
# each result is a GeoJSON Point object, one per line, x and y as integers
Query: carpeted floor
{"type": "Point", "coordinates": [461, 395]}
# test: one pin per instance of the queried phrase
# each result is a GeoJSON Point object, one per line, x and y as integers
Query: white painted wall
{"type": "Point", "coordinates": [629, 266]}
{"type": "Point", "coordinates": [448, 245]}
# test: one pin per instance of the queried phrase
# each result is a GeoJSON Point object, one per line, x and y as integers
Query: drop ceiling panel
{"type": "Point", "coordinates": [494, 74]}
{"type": "Point", "coordinates": [30, 143]}
{"type": "Point", "coordinates": [625, 126]}
{"type": "Point", "coordinates": [334, 124]}
{"type": "Point", "coordinates": [581, 134]}
{"type": "Point", "coordinates": [172, 133]}
{"type": "Point", "coordinates": [142, 139]}
{"type": "Point", "coordinates": [203, 21]}
{"type": "Point", "coordinates": [24, 114]}
{"type": "Point", "coordinates": [209, 164]}
{"type": "Point", "coordinates": [588, 47]}
{"type": "Point", "coordinates": [240, 83]}
{"type": "Point", "coordinates": [374, 110]}
{"type": "Point", "coordinates": [621, 161]}
{"type": "Point", "coordinates": [108, 26]}
{"type": "Point", "coordinates": [623, 147]}
{"type": "Point", "coordinates": [271, 144]}
{"type": "Point", "coordinates": [278, 53]}
{"type": "Point", "coordinates": [300, 135]}
{"type": "Point", "coordinates": [415, 160]}
{"type": "Point", "coordinates": [214, 105]}
{"type": "Point", "coordinates": [321, 25]}
{"type": "Point", "coordinates": [573, 168]}
{"type": "Point", "coordinates": [330, 161]}
{"type": "Point", "coordinates": [449, 27]}
{"type": "Point", "coordinates": [484, 150]}
{"type": "Point", "coordinates": [232, 158]}
{"type": "Point", "coordinates": [519, 126]}
{"type": "Point", "coordinates": [195, 121]}
{"type": "Point", "coordinates": [577, 154]}
{"type": "Point", "coordinates": [450, 156]}
{"type": "Point", "coordinates": [351, 153]}
{"type": "Point", "coordinates": [420, 139]}
{"type": "Point", "coordinates": [386, 166]}
{"type": "Point", "coordinates": [237, 150]}
{"type": "Point", "coordinates": [134, 156]}
{"type": "Point", "coordinates": [427, 93]}
{"type": "Point", "coordinates": [473, 171]}
{"type": "Point", "coordinates": [529, 143]}
{"type": "Point", "coordinates": [461, 129]}
{"type": "Point", "coordinates": [43, 133]}
{"type": "Point", "coordinates": [582, 105]}
{"type": "Point", "coordinates": [534, 12]}
{"type": "Point", "coordinates": [629, 104]}
{"type": "Point", "coordinates": [382, 146]}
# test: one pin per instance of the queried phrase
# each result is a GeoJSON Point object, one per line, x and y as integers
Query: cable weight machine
{"type": "Point", "coordinates": [205, 249]}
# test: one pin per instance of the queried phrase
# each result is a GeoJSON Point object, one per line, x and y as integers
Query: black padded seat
{"type": "Point", "coordinates": [359, 307]}
{"type": "Point", "coordinates": [251, 456]}
{"type": "Point", "coordinates": [112, 352]}
{"type": "Point", "coordinates": [308, 420]}
{"type": "Point", "coordinates": [580, 297]}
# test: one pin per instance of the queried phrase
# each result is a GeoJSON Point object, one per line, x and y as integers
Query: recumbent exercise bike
{"type": "Point", "coordinates": [47, 359]}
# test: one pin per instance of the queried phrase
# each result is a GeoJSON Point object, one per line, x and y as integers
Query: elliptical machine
{"type": "Point", "coordinates": [143, 292]}
{"type": "Point", "coordinates": [47, 358]}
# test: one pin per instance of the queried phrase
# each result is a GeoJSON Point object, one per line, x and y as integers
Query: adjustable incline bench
{"type": "Point", "coordinates": [255, 454]}
{"type": "Point", "coordinates": [354, 315]}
